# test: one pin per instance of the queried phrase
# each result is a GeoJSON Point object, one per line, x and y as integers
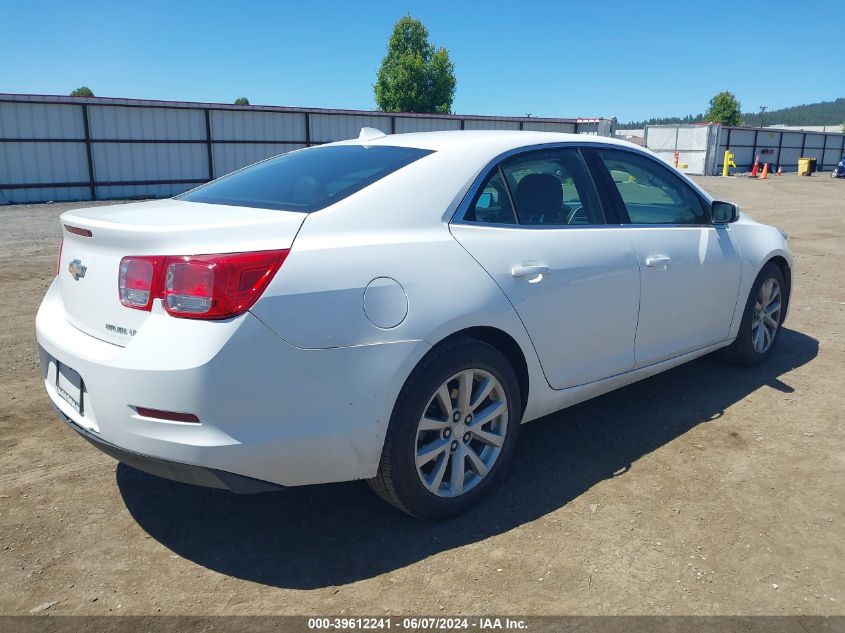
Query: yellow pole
{"type": "Point", "coordinates": [727, 162]}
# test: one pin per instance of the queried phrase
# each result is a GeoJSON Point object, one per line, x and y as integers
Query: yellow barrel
{"type": "Point", "coordinates": [803, 166]}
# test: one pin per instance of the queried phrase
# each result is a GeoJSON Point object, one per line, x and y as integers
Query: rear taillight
{"type": "Point", "coordinates": [189, 286]}
{"type": "Point", "coordinates": [59, 262]}
{"type": "Point", "coordinates": [137, 280]}
{"type": "Point", "coordinates": [198, 286]}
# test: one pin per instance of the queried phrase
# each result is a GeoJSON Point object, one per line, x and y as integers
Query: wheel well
{"type": "Point", "coordinates": [505, 343]}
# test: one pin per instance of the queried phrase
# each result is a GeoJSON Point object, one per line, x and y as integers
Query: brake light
{"type": "Point", "coordinates": [198, 286]}
{"type": "Point", "coordinates": [135, 281]}
{"type": "Point", "coordinates": [189, 287]}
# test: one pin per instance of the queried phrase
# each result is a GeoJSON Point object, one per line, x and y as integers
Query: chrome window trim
{"type": "Point", "coordinates": [672, 225]}
{"type": "Point", "coordinates": [535, 227]}
{"type": "Point", "coordinates": [463, 207]}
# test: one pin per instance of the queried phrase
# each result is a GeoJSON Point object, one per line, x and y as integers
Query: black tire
{"type": "Point", "coordinates": [397, 480]}
{"type": "Point", "coordinates": [742, 351]}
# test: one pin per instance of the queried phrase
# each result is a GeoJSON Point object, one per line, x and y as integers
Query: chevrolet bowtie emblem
{"type": "Point", "coordinates": [76, 269]}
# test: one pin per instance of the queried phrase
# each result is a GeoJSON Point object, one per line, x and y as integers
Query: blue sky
{"type": "Point", "coordinates": [629, 59]}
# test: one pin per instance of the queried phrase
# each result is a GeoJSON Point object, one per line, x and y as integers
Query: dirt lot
{"type": "Point", "coordinates": [705, 490]}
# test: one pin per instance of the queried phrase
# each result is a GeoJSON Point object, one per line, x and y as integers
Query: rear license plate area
{"type": "Point", "coordinates": [70, 387]}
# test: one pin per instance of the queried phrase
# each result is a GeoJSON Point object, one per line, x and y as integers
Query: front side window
{"type": "Point", "coordinates": [552, 187]}
{"type": "Point", "coordinates": [306, 180]}
{"type": "Point", "coordinates": [651, 193]}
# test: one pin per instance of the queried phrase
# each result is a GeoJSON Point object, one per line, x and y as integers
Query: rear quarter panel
{"type": "Point", "coordinates": [397, 228]}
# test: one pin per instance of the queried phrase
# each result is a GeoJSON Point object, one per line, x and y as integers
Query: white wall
{"type": "Point", "coordinates": [691, 141]}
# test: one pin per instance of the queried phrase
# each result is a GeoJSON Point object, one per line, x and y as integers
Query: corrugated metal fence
{"type": "Point", "coordinates": [81, 148]}
{"type": "Point", "coordinates": [779, 148]}
{"type": "Point", "coordinates": [702, 147]}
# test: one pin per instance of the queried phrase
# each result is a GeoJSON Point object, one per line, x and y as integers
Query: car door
{"type": "Point", "coordinates": [689, 267]}
{"type": "Point", "coordinates": [536, 225]}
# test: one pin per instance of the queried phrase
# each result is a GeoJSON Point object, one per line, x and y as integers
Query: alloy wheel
{"type": "Point", "coordinates": [766, 316]}
{"type": "Point", "coordinates": [461, 433]}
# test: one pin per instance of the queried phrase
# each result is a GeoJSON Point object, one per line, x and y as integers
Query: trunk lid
{"type": "Point", "coordinates": [89, 266]}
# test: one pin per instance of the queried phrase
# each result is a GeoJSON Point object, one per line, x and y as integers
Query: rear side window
{"type": "Point", "coordinates": [492, 204]}
{"type": "Point", "coordinates": [306, 180]}
{"type": "Point", "coordinates": [546, 187]}
{"type": "Point", "coordinates": [552, 187]}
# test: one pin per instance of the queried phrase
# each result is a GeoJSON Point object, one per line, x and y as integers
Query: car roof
{"type": "Point", "coordinates": [487, 145]}
{"type": "Point", "coordinates": [501, 140]}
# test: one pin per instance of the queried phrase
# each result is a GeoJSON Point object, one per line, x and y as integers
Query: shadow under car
{"type": "Point", "coordinates": [319, 536]}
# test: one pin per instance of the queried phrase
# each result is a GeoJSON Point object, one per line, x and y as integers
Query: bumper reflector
{"type": "Point", "coordinates": [78, 231]}
{"type": "Point", "coordinates": [171, 416]}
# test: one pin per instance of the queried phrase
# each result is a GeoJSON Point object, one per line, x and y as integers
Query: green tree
{"type": "Point", "coordinates": [725, 109]}
{"type": "Point", "coordinates": [82, 91]}
{"type": "Point", "coordinates": [414, 75]}
{"type": "Point", "coordinates": [241, 101]}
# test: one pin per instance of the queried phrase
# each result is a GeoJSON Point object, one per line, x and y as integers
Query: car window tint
{"type": "Point", "coordinates": [306, 180]}
{"type": "Point", "coordinates": [651, 193]}
{"type": "Point", "coordinates": [349, 180]}
{"type": "Point", "coordinates": [492, 203]}
{"type": "Point", "coordinates": [552, 187]}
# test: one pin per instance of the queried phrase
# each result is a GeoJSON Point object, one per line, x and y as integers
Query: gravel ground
{"type": "Point", "coordinates": [705, 490]}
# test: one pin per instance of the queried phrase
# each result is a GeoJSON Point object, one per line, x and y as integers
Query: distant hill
{"type": "Point", "coordinates": [822, 113]}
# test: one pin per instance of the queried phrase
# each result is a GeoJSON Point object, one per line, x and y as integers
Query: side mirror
{"type": "Point", "coordinates": [724, 212]}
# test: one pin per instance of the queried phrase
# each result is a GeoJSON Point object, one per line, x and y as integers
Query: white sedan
{"type": "Point", "coordinates": [392, 308]}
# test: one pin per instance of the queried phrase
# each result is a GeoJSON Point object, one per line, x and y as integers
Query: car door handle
{"type": "Point", "coordinates": [529, 270]}
{"type": "Point", "coordinates": [658, 261]}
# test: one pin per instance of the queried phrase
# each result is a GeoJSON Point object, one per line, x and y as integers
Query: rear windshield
{"type": "Point", "coordinates": [306, 180]}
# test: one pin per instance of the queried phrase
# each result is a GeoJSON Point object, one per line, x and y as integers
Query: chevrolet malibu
{"type": "Point", "coordinates": [392, 308]}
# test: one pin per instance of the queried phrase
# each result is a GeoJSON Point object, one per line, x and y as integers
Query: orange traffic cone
{"type": "Point", "coordinates": [779, 171]}
{"type": "Point", "coordinates": [765, 174]}
{"type": "Point", "coordinates": [754, 169]}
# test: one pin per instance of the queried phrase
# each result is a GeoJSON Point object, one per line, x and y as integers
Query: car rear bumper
{"type": "Point", "coordinates": [268, 411]}
{"type": "Point", "coordinates": [175, 471]}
